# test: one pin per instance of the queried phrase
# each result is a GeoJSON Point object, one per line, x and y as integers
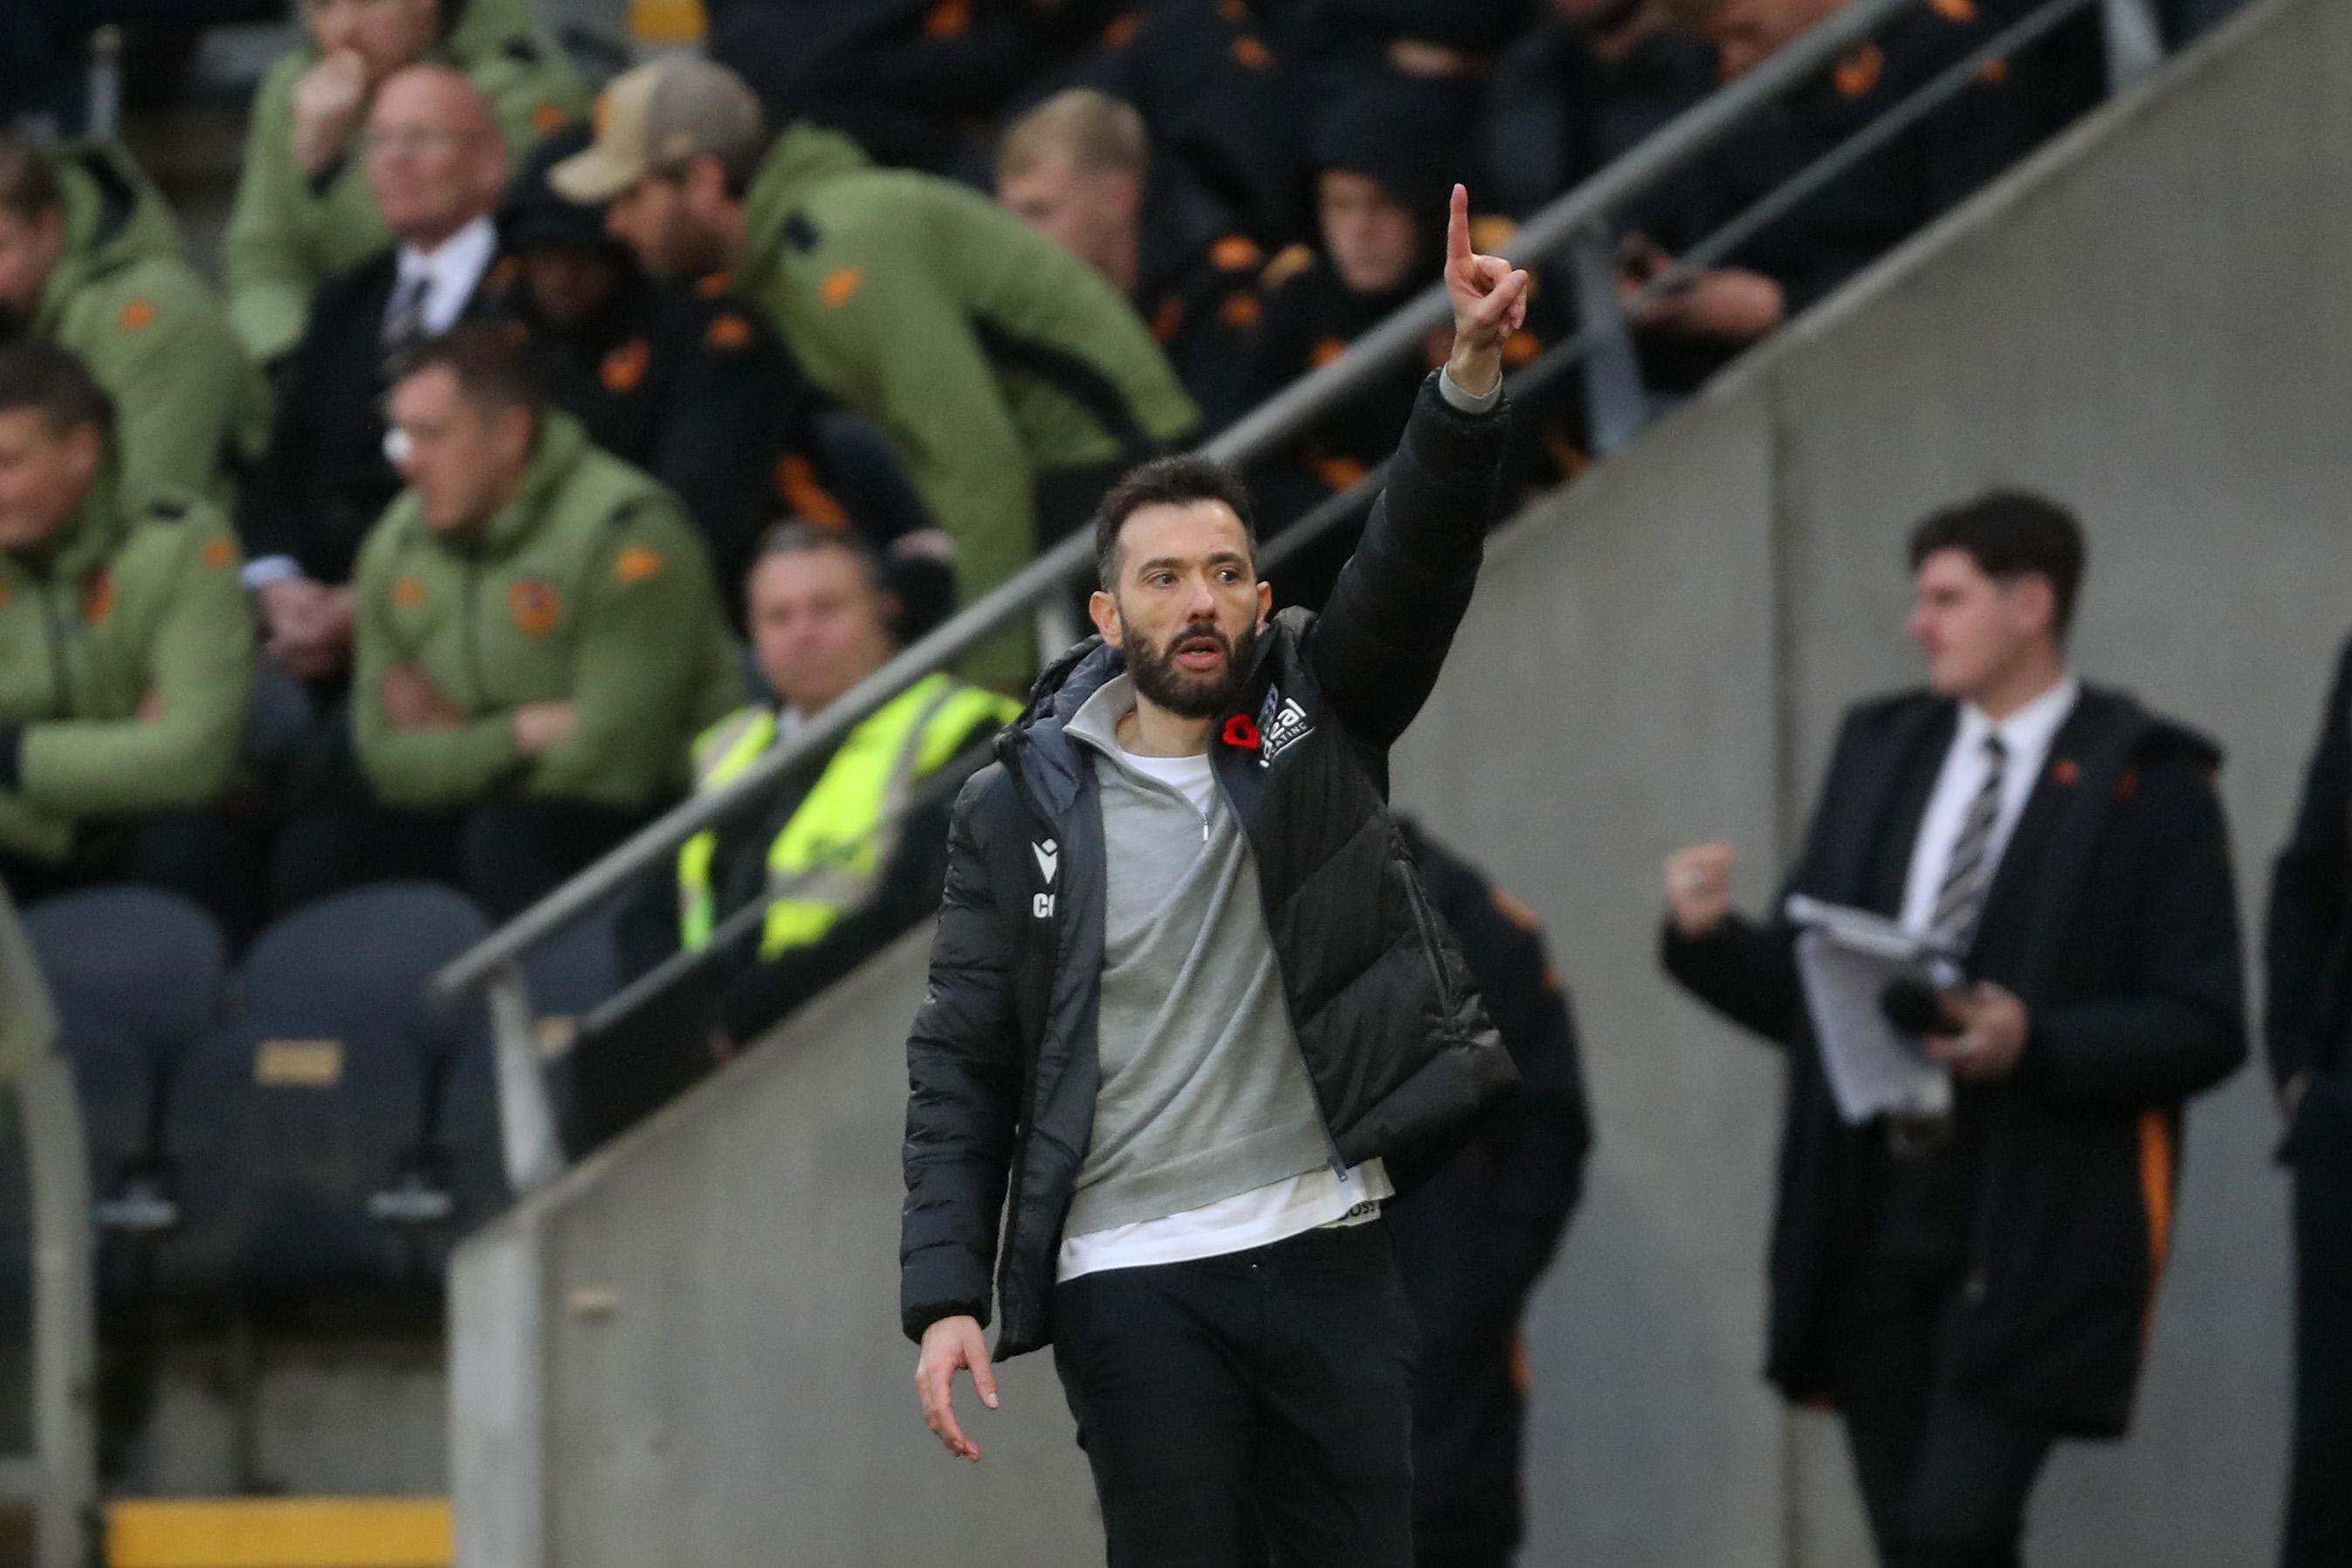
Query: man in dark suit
{"type": "Point", "coordinates": [437, 166]}
{"type": "Point", "coordinates": [2310, 921]}
{"type": "Point", "coordinates": [1966, 1289]}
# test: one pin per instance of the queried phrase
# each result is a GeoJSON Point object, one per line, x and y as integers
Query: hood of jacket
{"type": "Point", "coordinates": [804, 157]}
{"type": "Point", "coordinates": [114, 216]}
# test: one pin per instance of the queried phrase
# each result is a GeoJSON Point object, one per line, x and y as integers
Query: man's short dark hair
{"type": "Point", "coordinates": [38, 373]}
{"type": "Point", "coordinates": [491, 361]}
{"type": "Point", "coordinates": [1180, 480]}
{"type": "Point", "coordinates": [2011, 535]}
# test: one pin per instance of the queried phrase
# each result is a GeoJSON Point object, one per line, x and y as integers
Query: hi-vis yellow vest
{"type": "Point", "coordinates": [830, 857]}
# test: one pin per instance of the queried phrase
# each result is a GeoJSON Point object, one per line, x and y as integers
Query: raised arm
{"type": "Point", "coordinates": [1391, 616]}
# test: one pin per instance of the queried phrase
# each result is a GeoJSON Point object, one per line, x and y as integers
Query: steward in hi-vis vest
{"type": "Point", "coordinates": [836, 844]}
{"type": "Point", "coordinates": [851, 847]}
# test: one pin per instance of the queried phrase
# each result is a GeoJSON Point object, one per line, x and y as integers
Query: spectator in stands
{"type": "Point", "coordinates": [1929, 167]}
{"type": "Point", "coordinates": [126, 660]}
{"type": "Point", "coordinates": [435, 166]}
{"type": "Point", "coordinates": [1380, 181]}
{"type": "Point", "coordinates": [911, 80]}
{"type": "Point", "coordinates": [1589, 82]}
{"type": "Point", "coordinates": [90, 256]}
{"type": "Point", "coordinates": [823, 620]}
{"type": "Point", "coordinates": [1013, 379]}
{"type": "Point", "coordinates": [538, 637]}
{"type": "Point", "coordinates": [1472, 1242]}
{"type": "Point", "coordinates": [1077, 168]}
{"type": "Point", "coordinates": [305, 212]}
{"type": "Point", "coordinates": [690, 384]}
{"type": "Point", "coordinates": [1227, 123]}
{"type": "Point", "coordinates": [1380, 185]}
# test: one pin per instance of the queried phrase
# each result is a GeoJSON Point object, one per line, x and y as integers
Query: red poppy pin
{"type": "Point", "coordinates": [2065, 772]}
{"type": "Point", "coordinates": [1242, 732]}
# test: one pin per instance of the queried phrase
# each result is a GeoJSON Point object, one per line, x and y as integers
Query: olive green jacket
{"type": "Point", "coordinates": [187, 403]}
{"type": "Point", "coordinates": [592, 587]}
{"type": "Point", "coordinates": [986, 352]}
{"type": "Point", "coordinates": [291, 231]}
{"type": "Point", "coordinates": [131, 602]}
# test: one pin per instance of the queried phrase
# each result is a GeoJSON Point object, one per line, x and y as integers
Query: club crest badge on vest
{"type": "Point", "coordinates": [535, 604]}
{"type": "Point", "coordinates": [1282, 723]}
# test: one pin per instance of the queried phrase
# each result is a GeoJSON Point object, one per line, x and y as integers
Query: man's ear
{"type": "Point", "coordinates": [516, 428]}
{"type": "Point", "coordinates": [1103, 611]}
{"type": "Point", "coordinates": [1264, 603]}
{"type": "Point", "coordinates": [706, 184]}
{"type": "Point", "coordinates": [85, 452]}
{"type": "Point", "coordinates": [2037, 601]}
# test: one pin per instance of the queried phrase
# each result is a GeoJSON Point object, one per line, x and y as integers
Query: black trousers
{"type": "Point", "coordinates": [2319, 1492]}
{"type": "Point", "coordinates": [1945, 1474]}
{"type": "Point", "coordinates": [506, 853]}
{"type": "Point", "coordinates": [1469, 1418]}
{"type": "Point", "coordinates": [1246, 1409]}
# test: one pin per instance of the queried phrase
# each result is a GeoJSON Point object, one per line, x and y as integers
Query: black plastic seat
{"type": "Point", "coordinates": [136, 975]}
{"type": "Point", "coordinates": [305, 1127]}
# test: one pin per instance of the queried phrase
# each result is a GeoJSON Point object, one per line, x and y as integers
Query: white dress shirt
{"type": "Point", "coordinates": [2025, 735]}
{"type": "Point", "coordinates": [452, 271]}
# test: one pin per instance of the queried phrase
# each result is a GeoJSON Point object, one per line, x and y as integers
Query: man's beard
{"type": "Point", "coordinates": [1158, 679]}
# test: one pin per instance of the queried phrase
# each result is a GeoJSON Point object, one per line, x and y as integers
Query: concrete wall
{"type": "Point", "coordinates": [2149, 320]}
{"type": "Point", "coordinates": [2152, 323]}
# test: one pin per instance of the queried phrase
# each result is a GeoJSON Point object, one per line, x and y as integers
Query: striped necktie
{"type": "Point", "coordinates": [1968, 876]}
{"type": "Point", "coordinates": [403, 323]}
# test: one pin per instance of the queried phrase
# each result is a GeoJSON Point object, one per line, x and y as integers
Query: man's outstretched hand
{"type": "Point", "coordinates": [950, 1345]}
{"type": "Point", "coordinates": [1490, 303]}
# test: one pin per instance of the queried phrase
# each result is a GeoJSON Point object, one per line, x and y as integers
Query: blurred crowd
{"type": "Point", "coordinates": [431, 544]}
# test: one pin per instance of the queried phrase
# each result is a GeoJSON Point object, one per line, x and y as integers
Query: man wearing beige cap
{"type": "Point", "coordinates": [1010, 376]}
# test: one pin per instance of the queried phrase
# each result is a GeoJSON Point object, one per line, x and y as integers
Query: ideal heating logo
{"type": "Point", "coordinates": [1283, 724]}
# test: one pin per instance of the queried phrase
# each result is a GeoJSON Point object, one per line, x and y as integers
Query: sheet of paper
{"type": "Point", "coordinates": [1845, 959]}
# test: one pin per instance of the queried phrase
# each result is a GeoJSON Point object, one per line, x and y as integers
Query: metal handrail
{"type": "Point", "coordinates": [1569, 225]}
{"type": "Point", "coordinates": [1273, 423]}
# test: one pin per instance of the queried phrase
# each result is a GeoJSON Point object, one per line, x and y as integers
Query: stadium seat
{"type": "Point", "coordinates": [307, 1127]}
{"type": "Point", "coordinates": [136, 974]}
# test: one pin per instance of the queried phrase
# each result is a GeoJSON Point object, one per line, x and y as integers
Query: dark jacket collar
{"type": "Point", "coordinates": [1037, 748]}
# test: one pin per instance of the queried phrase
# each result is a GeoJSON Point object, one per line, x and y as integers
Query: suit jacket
{"type": "Point", "coordinates": [2113, 915]}
{"type": "Point", "coordinates": [325, 479]}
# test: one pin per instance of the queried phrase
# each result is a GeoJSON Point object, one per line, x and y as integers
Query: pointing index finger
{"type": "Point", "coordinates": [1457, 229]}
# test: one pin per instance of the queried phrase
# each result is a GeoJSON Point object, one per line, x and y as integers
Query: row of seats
{"type": "Point", "coordinates": [303, 1120]}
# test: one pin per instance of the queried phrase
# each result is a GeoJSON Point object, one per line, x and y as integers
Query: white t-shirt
{"type": "Point", "coordinates": [1258, 1217]}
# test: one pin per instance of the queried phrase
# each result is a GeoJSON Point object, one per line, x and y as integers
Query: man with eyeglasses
{"type": "Point", "coordinates": [306, 210]}
{"type": "Point", "coordinates": [436, 170]}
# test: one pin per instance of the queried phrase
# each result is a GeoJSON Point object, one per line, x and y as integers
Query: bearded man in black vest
{"type": "Point", "coordinates": [1192, 1015]}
